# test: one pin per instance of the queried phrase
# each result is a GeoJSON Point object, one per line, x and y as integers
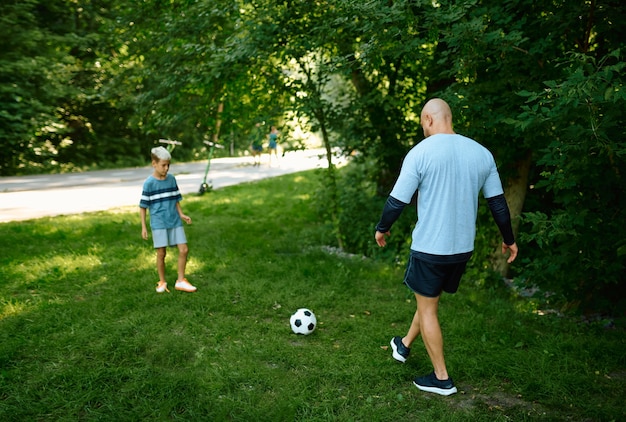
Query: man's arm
{"type": "Point", "coordinates": [502, 217]}
{"type": "Point", "coordinates": [392, 210]}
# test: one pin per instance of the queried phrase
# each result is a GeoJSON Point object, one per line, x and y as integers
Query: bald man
{"type": "Point", "coordinates": [448, 171]}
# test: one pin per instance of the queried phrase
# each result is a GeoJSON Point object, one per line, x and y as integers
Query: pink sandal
{"type": "Point", "coordinates": [162, 287]}
{"type": "Point", "coordinates": [184, 286]}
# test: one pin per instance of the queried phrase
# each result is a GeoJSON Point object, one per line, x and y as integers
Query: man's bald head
{"type": "Point", "coordinates": [436, 117]}
{"type": "Point", "coordinates": [438, 107]}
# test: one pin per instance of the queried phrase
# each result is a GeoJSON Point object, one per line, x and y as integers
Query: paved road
{"type": "Point", "coordinates": [25, 198]}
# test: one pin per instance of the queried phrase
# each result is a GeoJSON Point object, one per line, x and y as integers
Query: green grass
{"type": "Point", "coordinates": [83, 335]}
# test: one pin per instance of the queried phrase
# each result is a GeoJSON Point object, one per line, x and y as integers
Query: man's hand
{"type": "Point", "coordinates": [380, 238]}
{"type": "Point", "coordinates": [512, 248]}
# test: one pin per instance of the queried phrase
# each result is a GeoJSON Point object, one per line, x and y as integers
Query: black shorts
{"type": "Point", "coordinates": [429, 279]}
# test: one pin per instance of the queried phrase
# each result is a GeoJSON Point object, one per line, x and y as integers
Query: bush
{"type": "Point", "coordinates": [574, 237]}
{"type": "Point", "coordinates": [359, 209]}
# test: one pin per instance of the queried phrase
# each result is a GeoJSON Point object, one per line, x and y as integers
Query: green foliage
{"type": "Point", "coordinates": [84, 336]}
{"type": "Point", "coordinates": [577, 229]}
{"type": "Point", "coordinates": [359, 210]}
{"type": "Point", "coordinates": [29, 61]}
{"type": "Point", "coordinates": [53, 71]}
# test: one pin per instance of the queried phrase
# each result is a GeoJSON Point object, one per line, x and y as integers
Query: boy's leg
{"type": "Point", "coordinates": [183, 251]}
{"type": "Point", "coordinates": [182, 283]}
{"type": "Point", "coordinates": [160, 258]}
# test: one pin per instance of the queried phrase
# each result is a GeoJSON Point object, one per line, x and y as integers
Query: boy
{"type": "Point", "coordinates": [161, 196]}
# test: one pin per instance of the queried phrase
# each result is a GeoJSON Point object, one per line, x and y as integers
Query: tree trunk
{"type": "Point", "coordinates": [515, 194]}
{"type": "Point", "coordinates": [218, 122]}
{"type": "Point", "coordinates": [331, 173]}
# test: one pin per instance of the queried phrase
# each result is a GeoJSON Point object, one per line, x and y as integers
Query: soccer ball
{"type": "Point", "coordinates": [303, 321]}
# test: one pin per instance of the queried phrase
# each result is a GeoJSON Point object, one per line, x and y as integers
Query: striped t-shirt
{"type": "Point", "coordinates": [160, 198]}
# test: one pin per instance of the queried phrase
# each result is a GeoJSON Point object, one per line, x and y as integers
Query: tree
{"type": "Point", "coordinates": [564, 144]}
{"type": "Point", "coordinates": [186, 61]}
{"type": "Point", "coordinates": [53, 66]}
{"type": "Point", "coordinates": [29, 61]}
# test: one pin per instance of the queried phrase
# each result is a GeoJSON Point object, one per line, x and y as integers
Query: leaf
{"type": "Point", "coordinates": [524, 93]}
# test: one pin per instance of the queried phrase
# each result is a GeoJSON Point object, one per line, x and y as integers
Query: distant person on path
{"type": "Point", "coordinates": [448, 171]}
{"type": "Point", "coordinates": [162, 198]}
{"type": "Point", "coordinates": [256, 145]}
{"type": "Point", "coordinates": [273, 143]}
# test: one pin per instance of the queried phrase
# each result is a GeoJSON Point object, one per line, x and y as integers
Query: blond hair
{"type": "Point", "coordinates": [160, 153]}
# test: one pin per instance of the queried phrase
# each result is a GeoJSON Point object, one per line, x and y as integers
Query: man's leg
{"type": "Point", "coordinates": [400, 352]}
{"type": "Point", "coordinates": [430, 330]}
{"type": "Point", "coordinates": [414, 330]}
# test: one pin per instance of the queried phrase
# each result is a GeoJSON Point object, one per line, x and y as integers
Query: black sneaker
{"type": "Point", "coordinates": [400, 351]}
{"type": "Point", "coordinates": [431, 384]}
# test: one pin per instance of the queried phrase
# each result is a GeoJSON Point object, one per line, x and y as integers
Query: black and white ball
{"type": "Point", "coordinates": [303, 321]}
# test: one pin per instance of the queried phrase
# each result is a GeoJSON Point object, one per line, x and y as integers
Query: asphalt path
{"type": "Point", "coordinates": [29, 197]}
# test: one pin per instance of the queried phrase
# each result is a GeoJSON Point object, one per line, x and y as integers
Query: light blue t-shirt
{"type": "Point", "coordinates": [161, 197]}
{"type": "Point", "coordinates": [448, 171]}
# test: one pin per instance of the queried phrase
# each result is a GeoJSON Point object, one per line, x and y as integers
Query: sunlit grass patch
{"type": "Point", "coordinates": [13, 307]}
{"type": "Point", "coordinates": [39, 272]}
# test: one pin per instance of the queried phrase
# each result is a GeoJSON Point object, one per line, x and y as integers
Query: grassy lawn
{"type": "Point", "coordinates": [84, 336]}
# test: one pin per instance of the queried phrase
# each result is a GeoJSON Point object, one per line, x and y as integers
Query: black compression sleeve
{"type": "Point", "coordinates": [502, 216]}
{"type": "Point", "coordinates": [392, 210]}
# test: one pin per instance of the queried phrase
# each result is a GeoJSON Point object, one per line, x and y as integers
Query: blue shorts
{"type": "Point", "coordinates": [429, 279]}
{"type": "Point", "coordinates": [163, 238]}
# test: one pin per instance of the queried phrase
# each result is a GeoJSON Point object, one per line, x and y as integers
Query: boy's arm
{"type": "Point", "coordinates": [144, 228]}
{"type": "Point", "coordinates": [183, 217]}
